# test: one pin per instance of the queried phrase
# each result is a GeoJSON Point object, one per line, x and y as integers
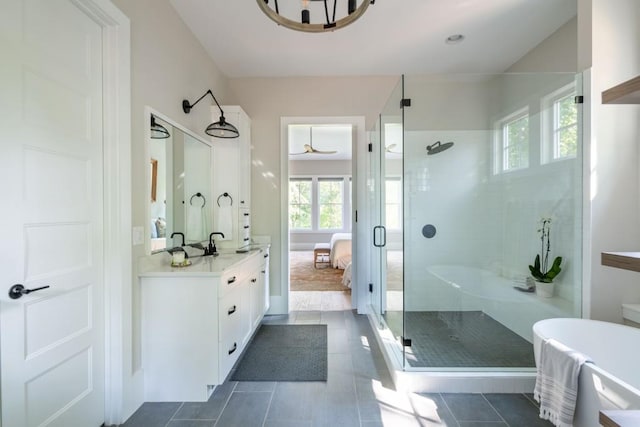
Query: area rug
{"type": "Point", "coordinates": [304, 277]}
{"type": "Point", "coordinates": [285, 353]}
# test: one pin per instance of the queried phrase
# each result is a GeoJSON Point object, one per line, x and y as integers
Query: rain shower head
{"type": "Point", "coordinates": [438, 147]}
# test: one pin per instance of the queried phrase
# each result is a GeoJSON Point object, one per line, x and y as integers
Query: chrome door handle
{"type": "Point", "coordinates": [16, 291]}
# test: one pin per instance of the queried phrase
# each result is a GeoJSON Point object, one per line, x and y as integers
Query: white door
{"type": "Point", "coordinates": [52, 340]}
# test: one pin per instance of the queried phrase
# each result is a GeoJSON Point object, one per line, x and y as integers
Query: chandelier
{"type": "Point", "coordinates": [324, 16]}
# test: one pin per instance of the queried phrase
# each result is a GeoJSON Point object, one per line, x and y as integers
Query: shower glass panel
{"type": "Point", "coordinates": [491, 178]}
{"type": "Point", "coordinates": [386, 196]}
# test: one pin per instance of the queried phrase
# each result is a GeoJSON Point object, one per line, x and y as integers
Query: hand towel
{"type": "Point", "coordinates": [196, 227]}
{"type": "Point", "coordinates": [557, 382]}
{"type": "Point", "coordinates": [225, 222]}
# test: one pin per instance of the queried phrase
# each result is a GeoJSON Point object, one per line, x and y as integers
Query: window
{"type": "Point", "coordinates": [560, 124]}
{"type": "Point", "coordinates": [512, 142]}
{"type": "Point", "coordinates": [330, 203]}
{"type": "Point", "coordinates": [320, 204]}
{"type": "Point", "coordinates": [393, 203]}
{"type": "Point", "coordinates": [300, 203]}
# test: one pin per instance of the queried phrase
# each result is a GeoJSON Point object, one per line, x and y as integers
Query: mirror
{"type": "Point", "coordinates": [180, 186]}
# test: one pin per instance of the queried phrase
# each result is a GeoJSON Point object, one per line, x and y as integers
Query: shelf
{"type": "Point", "coordinates": [623, 260]}
{"type": "Point", "coordinates": [619, 418]}
{"type": "Point", "coordinates": [624, 93]}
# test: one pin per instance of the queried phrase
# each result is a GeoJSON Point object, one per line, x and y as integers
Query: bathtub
{"type": "Point", "coordinates": [613, 380]}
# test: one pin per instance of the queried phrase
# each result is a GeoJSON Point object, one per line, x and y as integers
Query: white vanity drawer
{"type": "Point", "coordinates": [231, 312]}
{"type": "Point", "coordinates": [231, 280]}
{"type": "Point", "coordinates": [229, 351]}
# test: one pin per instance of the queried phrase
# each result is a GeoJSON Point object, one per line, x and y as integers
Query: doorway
{"type": "Point", "coordinates": [319, 216]}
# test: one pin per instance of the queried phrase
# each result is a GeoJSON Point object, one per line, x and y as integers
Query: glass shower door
{"type": "Point", "coordinates": [487, 160]}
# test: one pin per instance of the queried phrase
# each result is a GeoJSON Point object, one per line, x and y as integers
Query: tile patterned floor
{"type": "Point", "coordinates": [358, 393]}
{"type": "Point", "coordinates": [460, 339]}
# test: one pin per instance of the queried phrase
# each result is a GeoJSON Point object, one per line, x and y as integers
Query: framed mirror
{"type": "Point", "coordinates": [180, 184]}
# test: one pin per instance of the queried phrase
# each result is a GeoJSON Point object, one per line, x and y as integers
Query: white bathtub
{"type": "Point", "coordinates": [613, 381]}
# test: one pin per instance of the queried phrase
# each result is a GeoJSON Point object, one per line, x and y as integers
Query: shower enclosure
{"type": "Point", "coordinates": [464, 171]}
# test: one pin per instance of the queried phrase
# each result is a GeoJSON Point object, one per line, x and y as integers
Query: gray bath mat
{"type": "Point", "coordinates": [285, 353]}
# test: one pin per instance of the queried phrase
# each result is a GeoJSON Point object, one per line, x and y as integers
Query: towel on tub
{"type": "Point", "coordinates": [557, 382]}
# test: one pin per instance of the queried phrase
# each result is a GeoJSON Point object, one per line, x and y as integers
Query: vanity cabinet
{"type": "Point", "coordinates": [232, 176]}
{"type": "Point", "coordinates": [196, 322]}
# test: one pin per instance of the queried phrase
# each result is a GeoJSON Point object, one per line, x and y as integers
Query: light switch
{"type": "Point", "coordinates": [138, 235]}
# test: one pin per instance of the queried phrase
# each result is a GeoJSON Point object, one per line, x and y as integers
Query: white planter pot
{"type": "Point", "coordinates": [544, 290]}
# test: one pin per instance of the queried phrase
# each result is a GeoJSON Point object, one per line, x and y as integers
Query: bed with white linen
{"type": "Point", "coordinates": [340, 246]}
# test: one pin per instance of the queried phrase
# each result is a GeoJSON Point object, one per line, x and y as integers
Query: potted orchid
{"type": "Point", "coordinates": [542, 272]}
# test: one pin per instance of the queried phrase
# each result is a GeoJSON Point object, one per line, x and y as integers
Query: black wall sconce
{"type": "Point", "coordinates": [157, 130]}
{"type": "Point", "coordinates": [219, 129]}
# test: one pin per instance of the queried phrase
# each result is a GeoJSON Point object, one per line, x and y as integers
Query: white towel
{"type": "Point", "coordinates": [557, 382]}
{"type": "Point", "coordinates": [196, 224]}
{"type": "Point", "coordinates": [225, 222]}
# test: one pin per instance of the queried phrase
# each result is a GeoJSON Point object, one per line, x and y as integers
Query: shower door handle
{"type": "Point", "coordinates": [383, 235]}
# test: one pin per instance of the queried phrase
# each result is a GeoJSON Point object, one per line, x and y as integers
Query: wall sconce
{"type": "Point", "coordinates": [219, 129]}
{"type": "Point", "coordinates": [157, 130]}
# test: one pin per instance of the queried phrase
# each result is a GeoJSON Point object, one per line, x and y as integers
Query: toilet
{"type": "Point", "coordinates": [631, 314]}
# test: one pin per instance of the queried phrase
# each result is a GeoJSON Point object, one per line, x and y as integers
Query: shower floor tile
{"type": "Point", "coordinates": [460, 339]}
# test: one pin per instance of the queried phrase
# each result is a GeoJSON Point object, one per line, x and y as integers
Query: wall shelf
{"type": "Point", "coordinates": [624, 93]}
{"type": "Point", "coordinates": [613, 418]}
{"type": "Point", "coordinates": [623, 260]}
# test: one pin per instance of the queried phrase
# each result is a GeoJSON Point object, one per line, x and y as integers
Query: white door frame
{"type": "Point", "coordinates": [280, 304]}
{"type": "Point", "coordinates": [117, 200]}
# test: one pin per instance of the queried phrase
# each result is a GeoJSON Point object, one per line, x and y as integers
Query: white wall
{"type": "Point", "coordinates": [614, 186]}
{"type": "Point", "coordinates": [558, 52]}
{"type": "Point", "coordinates": [266, 100]}
{"type": "Point", "coordinates": [319, 167]}
{"type": "Point", "coordinates": [167, 65]}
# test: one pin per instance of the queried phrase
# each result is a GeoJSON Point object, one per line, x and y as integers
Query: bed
{"type": "Point", "coordinates": [340, 255]}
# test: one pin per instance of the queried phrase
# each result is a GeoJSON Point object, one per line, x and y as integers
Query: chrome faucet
{"type": "Point", "coordinates": [211, 250]}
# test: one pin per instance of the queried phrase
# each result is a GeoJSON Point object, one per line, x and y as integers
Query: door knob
{"type": "Point", "coordinates": [16, 291]}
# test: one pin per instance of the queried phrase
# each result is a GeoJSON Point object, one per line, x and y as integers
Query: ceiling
{"type": "Point", "coordinates": [393, 37]}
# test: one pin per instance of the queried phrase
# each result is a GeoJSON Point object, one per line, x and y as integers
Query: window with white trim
{"type": "Point", "coordinates": [300, 204]}
{"type": "Point", "coordinates": [512, 142]}
{"type": "Point", "coordinates": [560, 124]}
{"type": "Point", "coordinates": [330, 203]}
{"type": "Point", "coordinates": [319, 204]}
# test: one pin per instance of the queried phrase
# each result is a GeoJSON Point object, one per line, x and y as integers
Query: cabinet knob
{"type": "Point", "coordinates": [234, 348]}
{"type": "Point", "coordinates": [231, 280]}
{"type": "Point", "coordinates": [232, 310]}
{"type": "Point", "coordinates": [254, 280]}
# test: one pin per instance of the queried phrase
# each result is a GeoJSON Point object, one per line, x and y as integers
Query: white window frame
{"type": "Point", "coordinates": [315, 205]}
{"type": "Point", "coordinates": [344, 203]}
{"type": "Point", "coordinates": [302, 178]}
{"type": "Point", "coordinates": [500, 128]}
{"type": "Point", "coordinates": [550, 130]}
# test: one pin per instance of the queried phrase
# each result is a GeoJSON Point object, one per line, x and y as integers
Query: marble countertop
{"type": "Point", "coordinates": [159, 265]}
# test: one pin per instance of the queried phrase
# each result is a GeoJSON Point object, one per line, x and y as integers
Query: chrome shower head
{"type": "Point", "coordinates": [438, 147]}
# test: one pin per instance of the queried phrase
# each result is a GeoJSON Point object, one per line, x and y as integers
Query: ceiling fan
{"type": "Point", "coordinates": [308, 148]}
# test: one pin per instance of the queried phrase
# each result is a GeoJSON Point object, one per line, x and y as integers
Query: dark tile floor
{"type": "Point", "coordinates": [358, 392]}
{"type": "Point", "coordinates": [460, 339]}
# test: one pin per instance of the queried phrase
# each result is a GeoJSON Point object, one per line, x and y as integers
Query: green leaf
{"type": "Point", "coordinates": [555, 269]}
